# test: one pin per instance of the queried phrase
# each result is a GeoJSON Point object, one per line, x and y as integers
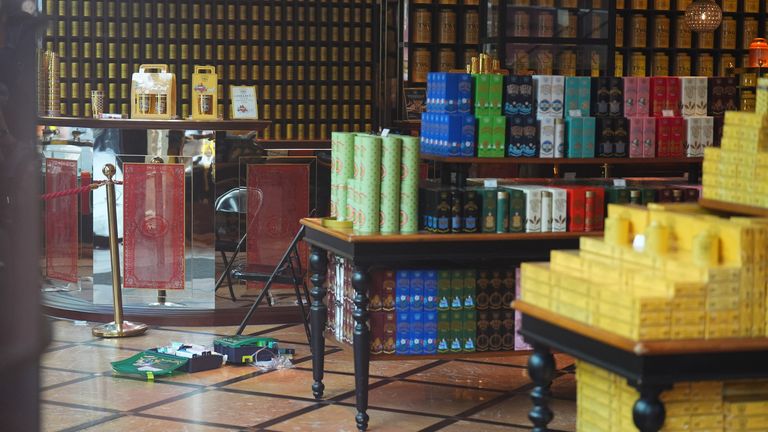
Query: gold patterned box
{"type": "Point", "coordinates": [205, 93]}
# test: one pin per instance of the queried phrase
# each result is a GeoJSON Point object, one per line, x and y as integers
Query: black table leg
{"type": "Point", "coordinates": [648, 412]}
{"type": "Point", "coordinates": [318, 263]}
{"type": "Point", "coordinates": [541, 369]}
{"type": "Point", "coordinates": [361, 344]}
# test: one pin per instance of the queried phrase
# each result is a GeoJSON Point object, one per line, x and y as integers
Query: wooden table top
{"type": "Point", "coordinates": [644, 348]}
{"type": "Point", "coordinates": [349, 236]}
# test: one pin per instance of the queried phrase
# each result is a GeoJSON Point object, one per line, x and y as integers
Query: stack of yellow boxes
{"type": "Point", "coordinates": [661, 273]}
{"type": "Point", "coordinates": [605, 402]}
{"type": "Point", "coordinates": [737, 172]}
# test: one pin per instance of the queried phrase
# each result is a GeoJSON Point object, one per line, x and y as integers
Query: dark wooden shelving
{"type": "Point", "coordinates": [727, 207]}
{"type": "Point", "coordinates": [219, 125]}
{"type": "Point", "coordinates": [563, 161]}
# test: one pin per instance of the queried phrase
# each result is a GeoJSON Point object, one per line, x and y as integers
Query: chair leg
{"type": "Point", "coordinates": [227, 267]}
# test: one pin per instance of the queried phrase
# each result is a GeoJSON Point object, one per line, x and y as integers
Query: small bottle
{"type": "Point", "coordinates": [502, 212]}
{"type": "Point", "coordinates": [444, 214]}
{"type": "Point", "coordinates": [456, 211]}
{"type": "Point", "coordinates": [589, 211]}
{"type": "Point", "coordinates": [546, 211]}
{"type": "Point", "coordinates": [635, 197]}
{"type": "Point", "coordinates": [677, 195]}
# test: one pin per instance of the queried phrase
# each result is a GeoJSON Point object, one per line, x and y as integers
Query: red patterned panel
{"type": "Point", "coordinates": [282, 193]}
{"type": "Point", "coordinates": [61, 234]}
{"type": "Point", "coordinates": [153, 218]}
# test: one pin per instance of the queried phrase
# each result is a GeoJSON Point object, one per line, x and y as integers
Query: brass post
{"type": "Point", "coordinates": [606, 171]}
{"type": "Point", "coordinates": [162, 295]}
{"type": "Point", "coordinates": [117, 328]}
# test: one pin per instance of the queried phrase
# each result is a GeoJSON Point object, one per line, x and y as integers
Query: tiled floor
{"type": "Point", "coordinates": [79, 391]}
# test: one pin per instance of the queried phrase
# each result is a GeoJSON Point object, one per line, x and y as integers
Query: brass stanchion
{"type": "Point", "coordinates": [162, 295]}
{"type": "Point", "coordinates": [117, 328]}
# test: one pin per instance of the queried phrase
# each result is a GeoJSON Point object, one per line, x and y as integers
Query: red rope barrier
{"type": "Point", "coordinates": [86, 188]}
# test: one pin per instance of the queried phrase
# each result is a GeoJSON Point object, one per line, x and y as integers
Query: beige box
{"type": "Point", "coordinates": [153, 93]}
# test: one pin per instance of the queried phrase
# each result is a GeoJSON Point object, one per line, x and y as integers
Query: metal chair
{"type": "Point", "coordinates": [233, 202]}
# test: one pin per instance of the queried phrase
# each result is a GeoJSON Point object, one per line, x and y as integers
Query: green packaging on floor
{"type": "Point", "coordinates": [149, 364]}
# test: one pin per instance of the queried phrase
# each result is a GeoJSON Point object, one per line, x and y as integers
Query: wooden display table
{"type": "Point", "coordinates": [370, 251]}
{"type": "Point", "coordinates": [650, 367]}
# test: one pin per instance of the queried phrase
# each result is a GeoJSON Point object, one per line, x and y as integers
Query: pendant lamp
{"type": "Point", "coordinates": [703, 16]}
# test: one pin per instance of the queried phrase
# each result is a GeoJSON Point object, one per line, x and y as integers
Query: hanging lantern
{"type": "Point", "coordinates": [703, 16]}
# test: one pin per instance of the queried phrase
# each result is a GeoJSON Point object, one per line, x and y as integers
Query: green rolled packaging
{"type": "Point", "coordinates": [351, 195]}
{"type": "Point", "coordinates": [391, 153]}
{"type": "Point", "coordinates": [368, 182]}
{"type": "Point", "coordinates": [409, 184]}
{"type": "Point", "coordinates": [341, 203]}
{"type": "Point", "coordinates": [342, 169]}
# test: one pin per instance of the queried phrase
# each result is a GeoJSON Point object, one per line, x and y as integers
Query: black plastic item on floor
{"type": "Point", "coordinates": [200, 363]}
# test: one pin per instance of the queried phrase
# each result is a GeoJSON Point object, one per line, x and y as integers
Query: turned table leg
{"type": "Point", "coordinates": [648, 412]}
{"type": "Point", "coordinates": [541, 369]}
{"type": "Point", "coordinates": [318, 315]}
{"type": "Point", "coordinates": [361, 344]}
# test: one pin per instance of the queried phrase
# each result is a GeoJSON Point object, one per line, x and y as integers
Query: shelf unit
{"type": "Point", "coordinates": [745, 26]}
{"type": "Point", "coordinates": [310, 60]}
{"type": "Point", "coordinates": [214, 125]}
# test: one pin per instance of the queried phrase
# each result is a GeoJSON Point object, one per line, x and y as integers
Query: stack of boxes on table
{"type": "Point", "coordinates": [605, 401]}
{"type": "Point", "coordinates": [553, 116]}
{"type": "Point", "coordinates": [531, 205]}
{"type": "Point", "coordinates": [666, 272]}
{"type": "Point", "coordinates": [737, 172]}
{"type": "Point", "coordinates": [430, 311]}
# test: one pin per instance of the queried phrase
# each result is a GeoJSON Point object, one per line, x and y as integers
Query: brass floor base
{"type": "Point", "coordinates": [128, 329]}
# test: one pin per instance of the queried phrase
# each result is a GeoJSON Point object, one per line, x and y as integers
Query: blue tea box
{"type": "Point", "coordinates": [465, 93]}
{"type": "Point", "coordinates": [416, 327]}
{"type": "Point", "coordinates": [402, 332]}
{"type": "Point", "coordinates": [430, 332]}
{"type": "Point", "coordinates": [468, 130]}
{"type": "Point", "coordinates": [585, 95]}
{"type": "Point", "coordinates": [402, 291]}
{"type": "Point", "coordinates": [430, 290]}
{"type": "Point", "coordinates": [417, 290]}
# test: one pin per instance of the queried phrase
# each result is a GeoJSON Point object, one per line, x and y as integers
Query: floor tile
{"type": "Point", "coordinates": [114, 393]}
{"type": "Point", "coordinates": [344, 362]}
{"type": "Point", "coordinates": [143, 424]}
{"type": "Point", "coordinates": [564, 387]}
{"type": "Point", "coordinates": [56, 417]}
{"type": "Point", "coordinates": [85, 358]}
{"type": "Point", "coordinates": [521, 359]}
{"type": "Point", "coordinates": [297, 383]}
{"type": "Point", "coordinates": [292, 334]}
{"type": "Point", "coordinates": [426, 398]}
{"type": "Point", "coordinates": [342, 419]}
{"type": "Point", "coordinates": [482, 376]}
{"type": "Point", "coordinates": [56, 344]}
{"type": "Point", "coordinates": [514, 410]}
{"type": "Point", "coordinates": [67, 331]}
{"type": "Point", "coordinates": [50, 377]}
{"type": "Point", "coordinates": [465, 426]}
{"type": "Point", "coordinates": [222, 330]}
{"type": "Point", "coordinates": [229, 408]}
